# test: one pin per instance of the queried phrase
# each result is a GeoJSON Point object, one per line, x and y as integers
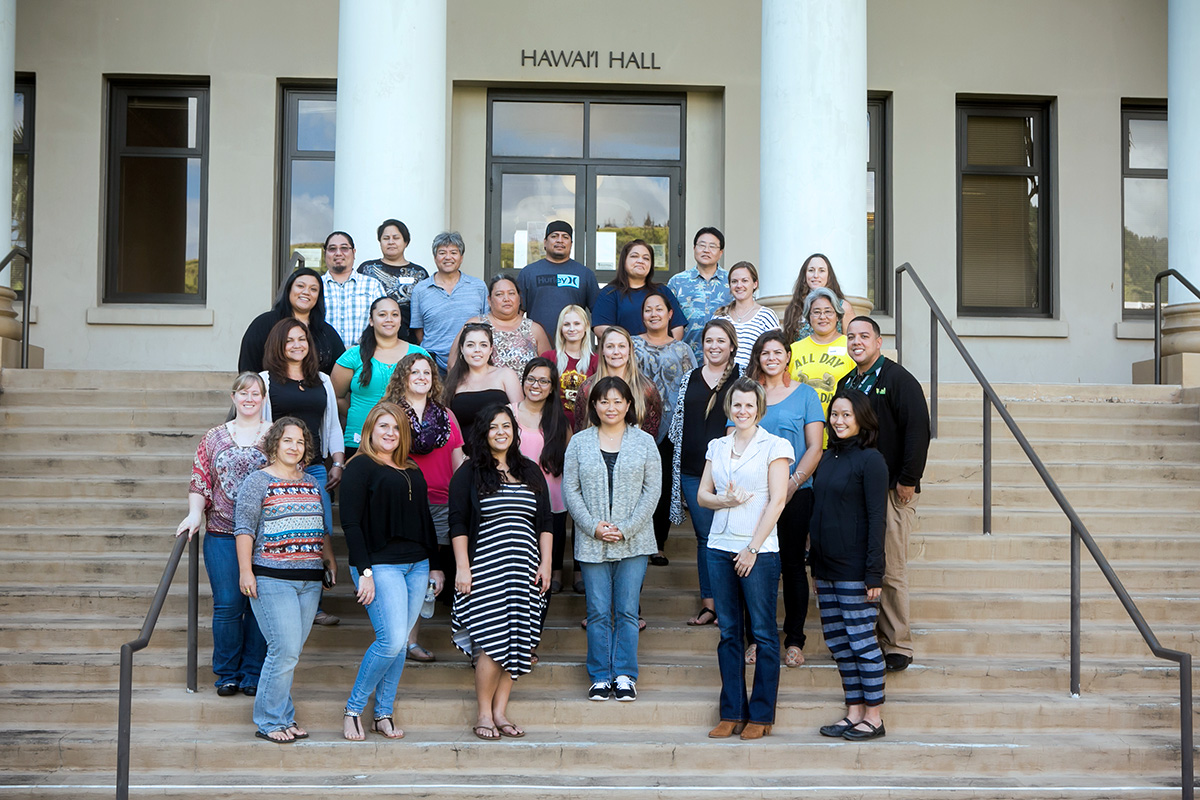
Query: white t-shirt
{"type": "Point", "coordinates": [733, 528]}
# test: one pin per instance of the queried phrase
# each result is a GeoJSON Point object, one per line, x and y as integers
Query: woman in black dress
{"type": "Point", "coordinates": [474, 382]}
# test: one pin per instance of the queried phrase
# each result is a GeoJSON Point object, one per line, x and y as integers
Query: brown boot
{"type": "Point", "coordinates": [755, 731]}
{"type": "Point", "coordinates": [725, 729]}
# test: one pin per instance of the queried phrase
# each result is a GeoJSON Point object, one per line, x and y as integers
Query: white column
{"type": "Point", "coordinates": [1183, 134]}
{"type": "Point", "coordinates": [8, 66]}
{"type": "Point", "coordinates": [813, 141]}
{"type": "Point", "coordinates": [391, 121]}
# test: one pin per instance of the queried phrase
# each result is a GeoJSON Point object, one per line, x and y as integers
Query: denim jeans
{"type": "Point", "coordinates": [399, 595]}
{"type": "Point", "coordinates": [320, 476]}
{"type": "Point", "coordinates": [612, 589]}
{"type": "Point", "coordinates": [238, 645]}
{"type": "Point", "coordinates": [757, 593]}
{"type": "Point", "coordinates": [285, 611]}
{"type": "Point", "coordinates": [702, 519]}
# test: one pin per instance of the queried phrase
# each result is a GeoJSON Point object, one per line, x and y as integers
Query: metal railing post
{"type": "Point", "coordinates": [25, 295]}
{"type": "Point", "coordinates": [1157, 331]}
{"type": "Point", "coordinates": [193, 634]}
{"type": "Point", "coordinates": [899, 317]}
{"type": "Point", "coordinates": [1186, 742]}
{"type": "Point", "coordinates": [987, 464]}
{"type": "Point", "coordinates": [933, 375]}
{"type": "Point", "coordinates": [1075, 624]}
{"type": "Point", "coordinates": [124, 721]}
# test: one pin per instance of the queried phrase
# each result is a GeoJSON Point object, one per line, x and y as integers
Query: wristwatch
{"type": "Point", "coordinates": [366, 573]}
{"type": "Point", "coordinates": [753, 550]}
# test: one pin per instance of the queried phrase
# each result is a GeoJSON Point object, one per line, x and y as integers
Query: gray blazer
{"type": "Point", "coordinates": [637, 487]}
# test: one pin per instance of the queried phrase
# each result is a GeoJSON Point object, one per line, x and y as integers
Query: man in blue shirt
{"type": "Point", "coordinates": [703, 289]}
{"type": "Point", "coordinates": [443, 302]}
{"type": "Point", "coordinates": [551, 284]}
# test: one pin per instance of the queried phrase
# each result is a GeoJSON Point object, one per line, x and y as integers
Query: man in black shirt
{"type": "Point", "coordinates": [898, 401]}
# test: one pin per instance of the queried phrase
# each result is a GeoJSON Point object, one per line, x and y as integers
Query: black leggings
{"type": "Point", "coordinates": [792, 530]}
{"type": "Point", "coordinates": [662, 512]}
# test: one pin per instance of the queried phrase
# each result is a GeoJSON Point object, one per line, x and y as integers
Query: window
{"type": "Point", "coordinates": [878, 202]}
{"type": "Point", "coordinates": [1003, 210]}
{"type": "Point", "coordinates": [612, 166]}
{"type": "Point", "coordinates": [309, 125]}
{"type": "Point", "coordinates": [22, 178]}
{"type": "Point", "coordinates": [1143, 206]}
{"type": "Point", "coordinates": [157, 193]}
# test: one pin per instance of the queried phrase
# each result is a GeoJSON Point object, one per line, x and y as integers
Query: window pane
{"type": "Point", "coordinates": [999, 141]}
{"type": "Point", "coordinates": [316, 122]}
{"type": "Point", "coordinates": [632, 207]}
{"type": "Point", "coordinates": [19, 118]}
{"type": "Point", "coordinates": [528, 203]}
{"type": "Point", "coordinates": [627, 130]}
{"type": "Point", "coordinates": [871, 264]}
{"type": "Point", "coordinates": [161, 122]}
{"type": "Point", "coordinates": [544, 130]}
{"type": "Point", "coordinates": [999, 242]}
{"type": "Point", "coordinates": [20, 217]}
{"type": "Point", "coordinates": [311, 209]}
{"type": "Point", "coordinates": [158, 227]}
{"type": "Point", "coordinates": [1147, 144]}
{"type": "Point", "coordinates": [1145, 239]}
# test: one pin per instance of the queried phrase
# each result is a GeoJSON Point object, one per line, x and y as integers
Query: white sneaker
{"type": "Point", "coordinates": [599, 691]}
{"type": "Point", "coordinates": [625, 688]}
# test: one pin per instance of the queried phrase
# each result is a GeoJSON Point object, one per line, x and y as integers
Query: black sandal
{"type": "Point", "coordinates": [699, 619]}
{"type": "Point", "coordinates": [357, 727]}
{"type": "Point", "coordinates": [391, 724]}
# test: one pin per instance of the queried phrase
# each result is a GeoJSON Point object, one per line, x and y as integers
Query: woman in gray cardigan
{"type": "Point", "coordinates": [612, 479]}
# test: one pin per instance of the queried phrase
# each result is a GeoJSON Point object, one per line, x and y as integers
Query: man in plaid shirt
{"type": "Point", "coordinates": [348, 294]}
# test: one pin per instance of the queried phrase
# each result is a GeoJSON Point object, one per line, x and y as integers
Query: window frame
{"type": "Point", "coordinates": [290, 95]}
{"type": "Point", "coordinates": [879, 161]}
{"type": "Point", "coordinates": [1042, 170]}
{"type": "Point", "coordinates": [25, 83]}
{"type": "Point", "coordinates": [1133, 110]}
{"type": "Point", "coordinates": [120, 91]}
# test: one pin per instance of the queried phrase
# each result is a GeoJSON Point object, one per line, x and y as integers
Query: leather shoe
{"type": "Point", "coordinates": [836, 730]}
{"type": "Point", "coordinates": [227, 690]}
{"type": "Point", "coordinates": [897, 662]}
{"type": "Point", "coordinates": [249, 691]}
{"type": "Point", "coordinates": [755, 731]}
{"type": "Point", "coordinates": [726, 728]}
{"type": "Point", "coordinates": [856, 734]}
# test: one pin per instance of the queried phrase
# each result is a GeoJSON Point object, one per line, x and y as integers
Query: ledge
{"type": "Point", "coordinates": [1134, 329]}
{"type": "Point", "coordinates": [150, 315]}
{"type": "Point", "coordinates": [1011, 328]}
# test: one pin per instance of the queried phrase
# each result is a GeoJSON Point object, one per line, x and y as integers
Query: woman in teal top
{"type": "Point", "coordinates": [360, 376]}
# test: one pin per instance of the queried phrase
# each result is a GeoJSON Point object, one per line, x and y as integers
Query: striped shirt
{"type": "Point", "coordinates": [748, 332]}
{"type": "Point", "coordinates": [286, 518]}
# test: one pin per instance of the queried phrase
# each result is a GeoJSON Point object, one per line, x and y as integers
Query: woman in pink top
{"type": "Point", "coordinates": [437, 448]}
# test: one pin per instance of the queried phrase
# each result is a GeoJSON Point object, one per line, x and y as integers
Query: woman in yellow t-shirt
{"type": "Point", "coordinates": [820, 360]}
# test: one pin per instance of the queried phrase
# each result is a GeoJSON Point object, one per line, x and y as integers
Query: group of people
{"type": "Point", "coordinates": [482, 419]}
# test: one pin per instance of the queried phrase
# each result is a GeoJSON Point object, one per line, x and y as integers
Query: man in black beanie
{"type": "Point", "coordinates": [556, 281]}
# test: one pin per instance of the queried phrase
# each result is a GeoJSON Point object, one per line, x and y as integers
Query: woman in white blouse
{"type": "Point", "coordinates": [745, 482]}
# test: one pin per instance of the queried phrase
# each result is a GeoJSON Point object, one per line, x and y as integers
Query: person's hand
{"type": "Point", "coordinates": [248, 584]}
{"type": "Point", "coordinates": [873, 594]}
{"type": "Point", "coordinates": [439, 580]}
{"type": "Point", "coordinates": [735, 495]}
{"type": "Point", "coordinates": [462, 580]}
{"type": "Point", "coordinates": [331, 565]}
{"type": "Point", "coordinates": [905, 493]}
{"type": "Point", "coordinates": [744, 562]}
{"type": "Point", "coordinates": [542, 578]}
{"type": "Point", "coordinates": [607, 532]}
{"type": "Point", "coordinates": [334, 477]}
{"type": "Point", "coordinates": [190, 524]}
{"type": "Point", "coordinates": [791, 490]}
{"type": "Point", "coordinates": [366, 590]}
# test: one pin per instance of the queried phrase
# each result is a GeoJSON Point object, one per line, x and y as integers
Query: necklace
{"type": "Point", "coordinates": [753, 309]}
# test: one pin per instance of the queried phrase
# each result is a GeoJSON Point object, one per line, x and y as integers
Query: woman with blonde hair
{"type": "Point", "coordinates": [618, 359]}
{"type": "Point", "coordinates": [573, 356]}
{"type": "Point", "coordinates": [391, 539]}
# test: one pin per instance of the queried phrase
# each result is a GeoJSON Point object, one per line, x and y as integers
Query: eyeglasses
{"type": "Point", "coordinates": [335, 248]}
{"type": "Point", "coordinates": [711, 248]}
{"type": "Point", "coordinates": [822, 313]}
{"type": "Point", "coordinates": [538, 381]}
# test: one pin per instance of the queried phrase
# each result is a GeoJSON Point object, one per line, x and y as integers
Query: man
{"type": "Point", "coordinates": [898, 401]}
{"type": "Point", "coordinates": [396, 273]}
{"type": "Point", "coordinates": [704, 289]}
{"type": "Point", "coordinates": [443, 302]}
{"type": "Point", "coordinates": [348, 295]}
{"type": "Point", "coordinates": [556, 281]}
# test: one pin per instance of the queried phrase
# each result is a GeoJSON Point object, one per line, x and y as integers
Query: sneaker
{"type": "Point", "coordinates": [326, 619]}
{"type": "Point", "coordinates": [897, 662]}
{"type": "Point", "coordinates": [599, 691]}
{"type": "Point", "coordinates": [626, 688]}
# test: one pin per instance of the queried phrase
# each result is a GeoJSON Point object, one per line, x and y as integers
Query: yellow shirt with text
{"type": "Point", "coordinates": [821, 366]}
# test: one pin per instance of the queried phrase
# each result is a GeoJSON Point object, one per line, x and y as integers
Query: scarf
{"type": "Point", "coordinates": [432, 432]}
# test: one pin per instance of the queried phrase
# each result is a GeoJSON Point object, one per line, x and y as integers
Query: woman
{"type": "Point", "coordinates": [517, 338]}
{"type": "Point", "coordinates": [850, 494]}
{"type": "Point", "coordinates": [284, 554]}
{"type": "Point", "coordinates": [362, 373]}
{"type": "Point", "coordinates": [390, 536]}
{"type": "Point", "coordinates": [573, 355]}
{"type": "Point", "coordinates": [750, 320]}
{"type": "Point", "coordinates": [664, 361]}
{"type": "Point", "coordinates": [793, 413]}
{"type": "Point", "coordinates": [474, 382]}
{"type": "Point", "coordinates": [745, 482]}
{"type": "Point", "coordinates": [699, 418]}
{"type": "Point", "coordinates": [815, 273]}
{"type": "Point", "coordinates": [618, 359]}
{"type": "Point", "coordinates": [398, 275]}
{"type": "Point", "coordinates": [500, 526]}
{"type": "Point", "coordinates": [544, 436]}
{"type": "Point", "coordinates": [821, 359]}
{"type": "Point", "coordinates": [612, 479]}
{"type": "Point", "coordinates": [303, 298]}
{"type": "Point", "coordinates": [225, 456]}
{"type": "Point", "coordinates": [437, 448]}
{"type": "Point", "coordinates": [620, 302]}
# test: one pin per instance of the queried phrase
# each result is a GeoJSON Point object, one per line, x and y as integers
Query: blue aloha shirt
{"type": "Point", "coordinates": [700, 299]}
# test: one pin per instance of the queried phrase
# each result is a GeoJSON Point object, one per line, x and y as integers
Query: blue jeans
{"type": "Point", "coordinates": [285, 611]}
{"type": "Point", "coordinates": [320, 476]}
{"type": "Point", "coordinates": [702, 519]}
{"type": "Point", "coordinates": [399, 595]}
{"type": "Point", "coordinates": [756, 593]}
{"type": "Point", "coordinates": [238, 645]}
{"type": "Point", "coordinates": [612, 589]}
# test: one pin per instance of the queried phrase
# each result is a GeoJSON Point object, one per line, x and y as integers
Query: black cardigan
{"type": "Point", "coordinates": [254, 341]}
{"type": "Point", "coordinates": [899, 402]}
{"type": "Point", "coordinates": [385, 514]}
{"type": "Point", "coordinates": [849, 506]}
{"type": "Point", "coordinates": [466, 513]}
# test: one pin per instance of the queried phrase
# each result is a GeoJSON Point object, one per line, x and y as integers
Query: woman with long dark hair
{"type": "Point", "coordinates": [815, 273]}
{"type": "Point", "coordinates": [620, 302]}
{"type": "Point", "coordinates": [474, 381]}
{"type": "Point", "coordinates": [501, 529]}
{"type": "Point", "coordinates": [301, 297]}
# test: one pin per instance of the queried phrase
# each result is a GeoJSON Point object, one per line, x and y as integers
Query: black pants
{"type": "Point", "coordinates": [662, 512]}
{"type": "Point", "coordinates": [559, 529]}
{"type": "Point", "coordinates": [792, 530]}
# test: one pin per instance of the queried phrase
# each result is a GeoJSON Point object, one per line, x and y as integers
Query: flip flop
{"type": "Point", "coordinates": [795, 657]}
{"type": "Point", "coordinates": [751, 655]}
{"type": "Point", "coordinates": [503, 729]}
{"type": "Point", "coordinates": [297, 732]}
{"type": "Point", "coordinates": [699, 620]}
{"type": "Point", "coordinates": [261, 735]}
{"type": "Point", "coordinates": [489, 728]}
{"type": "Point", "coordinates": [418, 653]}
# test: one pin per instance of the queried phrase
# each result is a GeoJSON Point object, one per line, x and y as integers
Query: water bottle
{"type": "Point", "coordinates": [427, 608]}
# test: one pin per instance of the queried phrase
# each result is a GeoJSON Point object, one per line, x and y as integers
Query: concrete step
{"type": "Point", "coordinates": [1096, 496]}
{"type": "Point", "coordinates": [938, 471]}
{"type": "Point", "coordinates": [108, 441]}
{"type": "Point", "coordinates": [82, 380]}
{"type": "Point", "coordinates": [1070, 429]}
{"type": "Point", "coordinates": [149, 398]}
{"type": "Point", "coordinates": [970, 450]}
{"type": "Point", "coordinates": [174, 465]}
{"type": "Point", "coordinates": [185, 416]}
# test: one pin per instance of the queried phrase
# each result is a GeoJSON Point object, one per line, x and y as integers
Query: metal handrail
{"type": "Point", "coordinates": [1158, 279]}
{"type": "Point", "coordinates": [125, 697]}
{"type": "Point", "coordinates": [296, 261]}
{"type": "Point", "coordinates": [4, 262]}
{"type": "Point", "coordinates": [1079, 531]}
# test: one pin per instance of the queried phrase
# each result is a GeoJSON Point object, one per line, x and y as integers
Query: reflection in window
{"type": "Point", "coordinates": [528, 204]}
{"type": "Point", "coordinates": [633, 130]}
{"type": "Point", "coordinates": [878, 174]}
{"type": "Point", "coordinates": [632, 207]}
{"type": "Point", "coordinates": [1144, 208]}
{"type": "Point", "coordinates": [22, 179]}
{"type": "Point", "coordinates": [316, 127]}
{"type": "Point", "coordinates": [308, 131]}
{"type": "Point", "coordinates": [539, 130]}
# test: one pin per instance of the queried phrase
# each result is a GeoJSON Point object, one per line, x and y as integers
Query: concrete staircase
{"type": "Point", "coordinates": [93, 478]}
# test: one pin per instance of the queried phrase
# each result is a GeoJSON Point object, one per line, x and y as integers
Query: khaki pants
{"type": "Point", "coordinates": [893, 625]}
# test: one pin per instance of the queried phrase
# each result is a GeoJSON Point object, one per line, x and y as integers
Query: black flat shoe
{"type": "Point", "coordinates": [855, 735]}
{"type": "Point", "coordinates": [659, 561]}
{"type": "Point", "coordinates": [249, 691]}
{"type": "Point", "coordinates": [897, 662]}
{"type": "Point", "coordinates": [227, 690]}
{"type": "Point", "coordinates": [836, 730]}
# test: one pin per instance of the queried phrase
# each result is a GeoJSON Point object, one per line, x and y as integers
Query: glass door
{"type": "Point", "coordinates": [627, 203]}
{"type": "Point", "coordinates": [527, 198]}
